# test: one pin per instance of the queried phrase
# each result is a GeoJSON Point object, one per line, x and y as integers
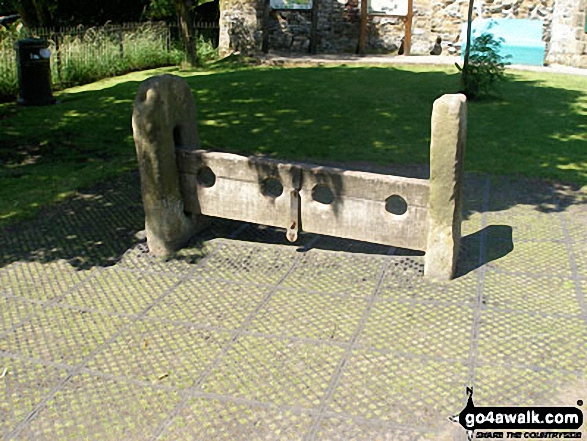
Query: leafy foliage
{"type": "Point", "coordinates": [159, 10]}
{"type": "Point", "coordinates": [6, 7]}
{"type": "Point", "coordinates": [9, 34]}
{"type": "Point", "coordinates": [51, 13]}
{"type": "Point", "coordinates": [206, 51]}
{"type": "Point", "coordinates": [166, 9]}
{"type": "Point", "coordinates": [485, 68]}
{"type": "Point", "coordinates": [13, 29]}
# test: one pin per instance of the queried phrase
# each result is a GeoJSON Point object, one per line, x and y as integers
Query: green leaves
{"type": "Point", "coordinates": [485, 69]}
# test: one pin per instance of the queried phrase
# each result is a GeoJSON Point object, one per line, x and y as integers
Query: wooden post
{"type": "Point", "coordinates": [168, 42]}
{"type": "Point", "coordinates": [363, 28]}
{"type": "Point", "coordinates": [314, 28]}
{"type": "Point", "coordinates": [57, 56]}
{"type": "Point", "coordinates": [120, 42]}
{"type": "Point", "coordinates": [408, 28]}
{"type": "Point", "coordinates": [266, 9]}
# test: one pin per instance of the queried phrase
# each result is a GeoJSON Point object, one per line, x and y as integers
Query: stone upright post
{"type": "Point", "coordinates": [164, 118]}
{"type": "Point", "coordinates": [447, 153]}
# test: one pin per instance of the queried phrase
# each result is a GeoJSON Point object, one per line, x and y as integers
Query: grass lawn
{"type": "Point", "coordinates": [377, 115]}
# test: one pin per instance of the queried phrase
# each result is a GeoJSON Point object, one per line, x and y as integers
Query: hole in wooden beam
{"type": "Point", "coordinates": [322, 194]}
{"type": "Point", "coordinates": [271, 187]}
{"type": "Point", "coordinates": [206, 177]}
{"type": "Point", "coordinates": [395, 204]}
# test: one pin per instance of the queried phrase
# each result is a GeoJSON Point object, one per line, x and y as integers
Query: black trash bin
{"type": "Point", "coordinates": [33, 60]}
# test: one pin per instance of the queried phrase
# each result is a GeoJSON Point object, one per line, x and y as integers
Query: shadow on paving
{"type": "Point", "coordinates": [270, 342]}
{"type": "Point", "coordinates": [96, 227]}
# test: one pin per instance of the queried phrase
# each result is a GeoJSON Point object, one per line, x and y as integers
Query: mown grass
{"type": "Point", "coordinates": [378, 115]}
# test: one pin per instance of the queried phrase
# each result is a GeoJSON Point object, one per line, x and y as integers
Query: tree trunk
{"type": "Point", "coordinates": [468, 46]}
{"type": "Point", "coordinates": [27, 11]}
{"type": "Point", "coordinates": [186, 29]}
{"type": "Point", "coordinates": [43, 14]}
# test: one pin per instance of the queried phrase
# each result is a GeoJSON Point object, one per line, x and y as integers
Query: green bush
{"type": "Point", "coordinates": [206, 52]}
{"type": "Point", "coordinates": [486, 68]}
{"type": "Point", "coordinates": [8, 74]}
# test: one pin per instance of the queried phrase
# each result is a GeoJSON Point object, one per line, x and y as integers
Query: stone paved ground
{"type": "Point", "coordinates": [243, 336]}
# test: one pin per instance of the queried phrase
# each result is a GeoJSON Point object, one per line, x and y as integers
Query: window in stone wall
{"type": "Point", "coordinates": [291, 4]}
{"type": "Point", "coordinates": [389, 7]}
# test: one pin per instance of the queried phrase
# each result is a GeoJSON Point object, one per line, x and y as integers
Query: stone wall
{"type": "Point", "coordinates": [449, 14]}
{"type": "Point", "coordinates": [569, 39]}
{"type": "Point", "coordinates": [338, 26]}
{"type": "Point", "coordinates": [240, 26]}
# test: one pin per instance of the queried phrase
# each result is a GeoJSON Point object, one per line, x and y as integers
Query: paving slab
{"type": "Point", "coordinates": [242, 335]}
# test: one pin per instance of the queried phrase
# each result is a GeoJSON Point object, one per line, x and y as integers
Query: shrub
{"type": "Point", "coordinates": [8, 75]}
{"type": "Point", "coordinates": [206, 52]}
{"type": "Point", "coordinates": [486, 67]}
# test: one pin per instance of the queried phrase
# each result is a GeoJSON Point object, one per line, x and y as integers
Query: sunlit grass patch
{"type": "Point", "coordinates": [360, 114]}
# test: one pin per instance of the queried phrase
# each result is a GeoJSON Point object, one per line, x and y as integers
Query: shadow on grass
{"type": "Point", "coordinates": [360, 116]}
{"type": "Point", "coordinates": [353, 115]}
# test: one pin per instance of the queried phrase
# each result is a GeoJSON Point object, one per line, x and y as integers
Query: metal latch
{"type": "Point", "coordinates": [294, 205]}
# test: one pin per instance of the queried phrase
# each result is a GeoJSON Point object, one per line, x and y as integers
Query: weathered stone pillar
{"type": "Point", "coordinates": [164, 117]}
{"type": "Point", "coordinates": [447, 153]}
{"type": "Point", "coordinates": [568, 43]}
{"type": "Point", "coordinates": [240, 26]}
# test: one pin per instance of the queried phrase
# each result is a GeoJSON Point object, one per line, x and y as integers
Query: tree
{"type": "Point", "coordinates": [483, 64]}
{"type": "Point", "coordinates": [183, 10]}
{"type": "Point", "coordinates": [465, 70]}
{"type": "Point", "coordinates": [6, 8]}
{"type": "Point", "coordinates": [35, 13]}
{"type": "Point", "coordinates": [160, 9]}
{"type": "Point", "coordinates": [187, 30]}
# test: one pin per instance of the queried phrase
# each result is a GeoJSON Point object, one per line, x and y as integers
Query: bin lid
{"type": "Point", "coordinates": [31, 42]}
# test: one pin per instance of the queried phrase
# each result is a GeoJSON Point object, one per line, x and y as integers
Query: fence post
{"type": "Point", "coordinates": [447, 152]}
{"type": "Point", "coordinates": [164, 118]}
{"type": "Point", "coordinates": [168, 42]}
{"type": "Point", "coordinates": [58, 57]}
{"type": "Point", "coordinates": [120, 42]}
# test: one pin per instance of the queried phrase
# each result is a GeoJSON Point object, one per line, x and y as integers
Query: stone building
{"type": "Point", "coordinates": [241, 26]}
